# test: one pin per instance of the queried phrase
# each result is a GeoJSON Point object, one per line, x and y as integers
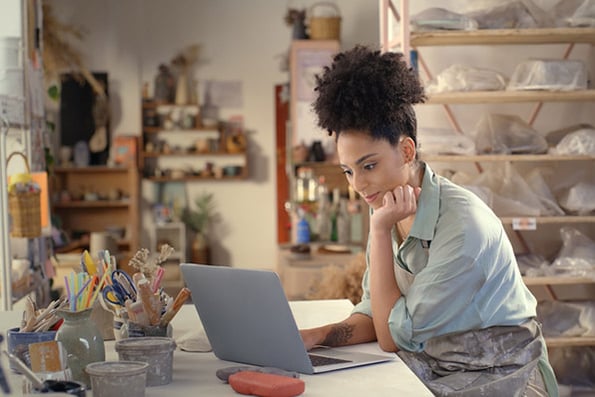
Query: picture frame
{"type": "Point", "coordinates": [125, 150]}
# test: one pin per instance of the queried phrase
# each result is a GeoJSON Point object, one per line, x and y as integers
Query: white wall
{"type": "Point", "coordinates": [240, 40]}
{"type": "Point", "coordinates": [244, 40]}
{"type": "Point", "coordinates": [10, 18]}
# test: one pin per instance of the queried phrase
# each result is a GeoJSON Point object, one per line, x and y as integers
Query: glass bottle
{"type": "Point", "coordinates": [323, 213]}
{"type": "Point", "coordinates": [343, 223]}
{"type": "Point", "coordinates": [82, 340]}
{"type": "Point", "coordinates": [305, 186]}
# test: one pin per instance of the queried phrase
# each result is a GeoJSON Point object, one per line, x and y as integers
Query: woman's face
{"type": "Point", "coordinates": [373, 167]}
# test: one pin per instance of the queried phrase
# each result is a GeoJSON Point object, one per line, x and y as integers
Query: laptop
{"type": "Point", "coordinates": [247, 319]}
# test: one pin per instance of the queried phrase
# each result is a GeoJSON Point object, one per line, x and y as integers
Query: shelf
{"type": "Point", "coordinates": [101, 214]}
{"type": "Point", "coordinates": [153, 104]}
{"type": "Point", "coordinates": [552, 219]}
{"type": "Point", "coordinates": [90, 170]}
{"type": "Point", "coordinates": [189, 154]}
{"type": "Point", "coordinates": [161, 130]}
{"type": "Point", "coordinates": [503, 157]}
{"type": "Point", "coordinates": [504, 37]}
{"type": "Point", "coordinates": [195, 178]}
{"type": "Point", "coordinates": [557, 280]}
{"type": "Point", "coordinates": [566, 341]}
{"type": "Point", "coordinates": [93, 204]}
{"type": "Point", "coordinates": [483, 97]}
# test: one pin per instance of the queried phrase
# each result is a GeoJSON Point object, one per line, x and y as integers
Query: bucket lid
{"type": "Point", "coordinates": [120, 368]}
{"type": "Point", "coordinates": [157, 344]}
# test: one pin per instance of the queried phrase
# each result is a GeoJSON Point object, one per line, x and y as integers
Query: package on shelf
{"type": "Point", "coordinates": [436, 18]}
{"type": "Point", "coordinates": [509, 134]}
{"type": "Point", "coordinates": [578, 142]}
{"type": "Point", "coordinates": [549, 74]}
{"type": "Point", "coordinates": [459, 77]}
{"type": "Point", "coordinates": [444, 141]}
{"type": "Point", "coordinates": [509, 193]}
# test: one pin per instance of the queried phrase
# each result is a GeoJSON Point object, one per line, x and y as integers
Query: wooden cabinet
{"type": "Point", "coordinates": [176, 146]}
{"type": "Point", "coordinates": [93, 199]}
{"type": "Point", "coordinates": [545, 233]}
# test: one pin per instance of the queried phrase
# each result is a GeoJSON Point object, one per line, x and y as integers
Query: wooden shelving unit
{"type": "Point", "coordinates": [404, 40]}
{"type": "Point", "coordinates": [78, 214]}
{"type": "Point", "coordinates": [159, 144]}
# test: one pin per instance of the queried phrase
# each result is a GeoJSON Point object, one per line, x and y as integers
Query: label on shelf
{"type": "Point", "coordinates": [524, 223]}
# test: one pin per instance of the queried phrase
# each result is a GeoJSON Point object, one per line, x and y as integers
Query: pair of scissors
{"type": "Point", "coordinates": [121, 289]}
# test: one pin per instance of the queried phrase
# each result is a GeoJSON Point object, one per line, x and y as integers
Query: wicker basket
{"type": "Point", "coordinates": [24, 209]}
{"type": "Point", "coordinates": [324, 27]}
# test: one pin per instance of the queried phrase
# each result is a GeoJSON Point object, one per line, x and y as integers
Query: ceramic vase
{"type": "Point", "coordinates": [82, 340]}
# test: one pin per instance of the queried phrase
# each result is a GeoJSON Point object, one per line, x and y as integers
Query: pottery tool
{"type": "Point", "coordinates": [182, 296]}
{"type": "Point", "coordinates": [34, 379]}
{"type": "Point", "coordinates": [150, 301]}
{"type": "Point", "coordinates": [89, 263]}
{"type": "Point", "coordinates": [4, 386]}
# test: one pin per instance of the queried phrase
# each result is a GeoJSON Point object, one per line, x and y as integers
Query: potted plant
{"type": "Point", "coordinates": [198, 221]}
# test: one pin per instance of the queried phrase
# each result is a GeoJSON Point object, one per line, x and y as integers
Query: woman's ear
{"type": "Point", "coordinates": [408, 149]}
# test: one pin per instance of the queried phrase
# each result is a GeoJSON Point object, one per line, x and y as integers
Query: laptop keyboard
{"type": "Point", "coordinates": [318, 361]}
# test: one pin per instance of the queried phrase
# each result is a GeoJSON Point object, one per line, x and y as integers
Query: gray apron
{"type": "Point", "coordinates": [495, 361]}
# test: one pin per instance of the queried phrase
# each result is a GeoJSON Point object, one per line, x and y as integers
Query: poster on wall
{"type": "Point", "coordinates": [307, 59]}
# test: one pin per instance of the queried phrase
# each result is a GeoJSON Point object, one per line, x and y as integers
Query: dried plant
{"type": "Point", "coordinates": [339, 282]}
{"type": "Point", "coordinates": [59, 54]}
{"type": "Point", "coordinates": [186, 58]}
{"type": "Point", "coordinates": [142, 261]}
{"type": "Point", "coordinates": [294, 15]}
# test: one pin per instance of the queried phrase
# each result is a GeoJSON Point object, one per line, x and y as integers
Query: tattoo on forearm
{"type": "Point", "coordinates": [339, 335]}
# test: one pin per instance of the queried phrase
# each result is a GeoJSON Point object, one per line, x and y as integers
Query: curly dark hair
{"type": "Point", "coordinates": [366, 90]}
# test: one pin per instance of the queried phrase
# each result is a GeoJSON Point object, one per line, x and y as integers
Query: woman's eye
{"type": "Point", "coordinates": [369, 166]}
{"type": "Point", "coordinates": [347, 172]}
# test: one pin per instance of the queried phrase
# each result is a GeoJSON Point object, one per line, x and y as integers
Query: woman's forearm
{"type": "Point", "coordinates": [384, 291]}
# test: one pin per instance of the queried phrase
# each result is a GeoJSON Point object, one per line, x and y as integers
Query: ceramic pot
{"type": "Point", "coordinates": [82, 340]}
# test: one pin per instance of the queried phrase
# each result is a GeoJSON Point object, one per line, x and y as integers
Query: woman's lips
{"type": "Point", "coordinates": [371, 198]}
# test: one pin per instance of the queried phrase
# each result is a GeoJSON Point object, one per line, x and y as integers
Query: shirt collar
{"type": "Point", "coordinates": [428, 204]}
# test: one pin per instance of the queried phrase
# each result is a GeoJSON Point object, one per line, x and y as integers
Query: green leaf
{"type": "Point", "coordinates": [54, 92]}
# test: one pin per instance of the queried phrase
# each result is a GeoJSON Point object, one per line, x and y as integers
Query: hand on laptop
{"type": "Point", "coordinates": [311, 337]}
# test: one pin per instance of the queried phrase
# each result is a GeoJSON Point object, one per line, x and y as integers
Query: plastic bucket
{"type": "Point", "coordinates": [18, 343]}
{"type": "Point", "coordinates": [118, 378]}
{"type": "Point", "coordinates": [156, 351]}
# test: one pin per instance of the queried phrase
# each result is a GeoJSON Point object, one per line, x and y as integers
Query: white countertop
{"type": "Point", "coordinates": [194, 373]}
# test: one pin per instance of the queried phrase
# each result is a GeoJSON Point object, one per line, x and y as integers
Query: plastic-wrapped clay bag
{"type": "Point", "coordinates": [577, 255]}
{"type": "Point", "coordinates": [500, 133]}
{"type": "Point", "coordinates": [549, 74]}
{"type": "Point", "coordinates": [580, 142]}
{"type": "Point", "coordinates": [436, 18]}
{"type": "Point", "coordinates": [567, 318]}
{"type": "Point", "coordinates": [579, 199]}
{"type": "Point", "coordinates": [544, 194]}
{"type": "Point", "coordinates": [584, 15]}
{"type": "Point", "coordinates": [531, 264]}
{"type": "Point", "coordinates": [510, 15]}
{"type": "Point", "coordinates": [464, 78]}
{"type": "Point", "coordinates": [510, 194]}
{"type": "Point", "coordinates": [444, 141]}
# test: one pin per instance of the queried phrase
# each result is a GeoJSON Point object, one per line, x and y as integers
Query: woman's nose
{"type": "Point", "coordinates": [358, 182]}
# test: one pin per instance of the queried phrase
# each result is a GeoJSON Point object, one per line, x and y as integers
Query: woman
{"type": "Point", "coordinates": [442, 287]}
